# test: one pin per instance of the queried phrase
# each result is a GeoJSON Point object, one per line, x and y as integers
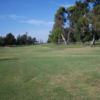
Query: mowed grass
{"type": "Point", "coordinates": [50, 72]}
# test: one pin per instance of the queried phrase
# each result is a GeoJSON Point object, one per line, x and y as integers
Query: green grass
{"type": "Point", "coordinates": [50, 72]}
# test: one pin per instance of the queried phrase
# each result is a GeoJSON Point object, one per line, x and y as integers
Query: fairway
{"type": "Point", "coordinates": [50, 72]}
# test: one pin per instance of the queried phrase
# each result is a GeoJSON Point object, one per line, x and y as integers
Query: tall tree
{"type": "Point", "coordinates": [95, 20]}
{"type": "Point", "coordinates": [58, 28]}
{"type": "Point", "coordinates": [83, 22]}
{"type": "Point", "coordinates": [76, 14]}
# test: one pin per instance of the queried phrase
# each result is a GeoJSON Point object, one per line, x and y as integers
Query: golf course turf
{"type": "Point", "coordinates": [50, 72]}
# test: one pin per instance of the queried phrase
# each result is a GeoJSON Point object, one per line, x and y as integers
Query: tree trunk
{"type": "Point", "coordinates": [64, 39]}
{"type": "Point", "coordinates": [93, 41]}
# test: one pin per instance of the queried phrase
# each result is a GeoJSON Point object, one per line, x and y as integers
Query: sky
{"type": "Point", "coordinates": [33, 16]}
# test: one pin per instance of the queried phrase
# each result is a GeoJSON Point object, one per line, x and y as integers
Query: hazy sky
{"type": "Point", "coordinates": [32, 16]}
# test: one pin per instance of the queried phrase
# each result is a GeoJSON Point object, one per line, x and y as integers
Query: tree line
{"type": "Point", "coordinates": [77, 23]}
{"type": "Point", "coordinates": [11, 40]}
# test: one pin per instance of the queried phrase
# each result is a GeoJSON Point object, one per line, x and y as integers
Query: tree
{"type": "Point", "coordinates": [83, 22]}
{"type": "Point", "coordinates": [95, 20]}
{"type": "Point", "coordinates": [57, 33]}
{"type": "Point", "coordinates": [69, 16]}
{"type": "Point", "coordinates": [76, 14]}
{"type": "Point", "coordinates": [34, 40]}
{"type": "Point", "coordinates": [84, 27]}
{"type": "Point", "coordinates": [95, 23]}
{"type": "Point", "coordinates": [25, 40]}
{"type": "Point", "coordinates": [18, 40]}
{"type": "Point", "coordinates": [29, 40]}
{"type": "Point", "coordinates": [2, 41]}
{"type": "Point", "coordinates": [10, 39]}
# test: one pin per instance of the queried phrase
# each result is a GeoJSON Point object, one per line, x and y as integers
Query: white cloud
{"type": "Point", "coordinates": [37, 22]}
{"type": "Point", "coordinates": [12, 17]}
{"type": "Point", "coordinates": [15, 17]}
{"type": "Point", "coordinates": [25, 20]}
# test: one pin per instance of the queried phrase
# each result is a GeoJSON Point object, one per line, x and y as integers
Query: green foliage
{"type": "Point", "coordinates": [25, 40]}
{"type": "Point", "coordinates": [58, 27]}
{"type": "Point", "coordinates": [83, 21]}
{"type": "Point", "coordinates": [55, 35]}
{"type": "Point", "coordinates": [96, 18]}
{"type": "Point", "coordinates": [10, 39]}
{"type": "Point", "coordinates": [2, 41]}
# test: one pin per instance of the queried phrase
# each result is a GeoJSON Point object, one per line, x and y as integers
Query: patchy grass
{"type": "Point", "coordinates": [50, 72]}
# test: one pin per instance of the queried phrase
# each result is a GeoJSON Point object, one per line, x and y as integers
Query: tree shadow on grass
{"type": "Point", "coordinates": [8, 59]}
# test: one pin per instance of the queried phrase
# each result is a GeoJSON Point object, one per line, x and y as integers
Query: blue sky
{"type": "Point", "coordinates": [33, 16]}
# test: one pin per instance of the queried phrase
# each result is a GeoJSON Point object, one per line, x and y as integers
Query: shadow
{"type": "Point", "coordinates": [8, 59]}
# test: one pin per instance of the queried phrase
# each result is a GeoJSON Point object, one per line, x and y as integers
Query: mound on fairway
{"type": "Point", "coordinates": [50, 73]}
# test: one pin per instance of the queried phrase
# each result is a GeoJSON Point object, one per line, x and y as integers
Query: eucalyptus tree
{"type": "Point", "coordinates": [94, 19]}
{"type": "Point", "coordinates": [95, 24]}
{"type": "Point", "coordinates": [77, 17]}
{"type": "Point", "coordinates": [83, 22]}
{"type": "Point", "coordinates": [58, 33]}
{"type": "Point", "coordinates": [69, 12]}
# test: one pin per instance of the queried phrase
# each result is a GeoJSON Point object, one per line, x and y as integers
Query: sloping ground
{"type": "Point", "coordinates": [50, 72]}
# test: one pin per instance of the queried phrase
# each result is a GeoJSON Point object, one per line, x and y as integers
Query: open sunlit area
{"type": "Point", "coordinates": [50, 50]}
{"type": "Point", "coordinates": [50, 72]}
